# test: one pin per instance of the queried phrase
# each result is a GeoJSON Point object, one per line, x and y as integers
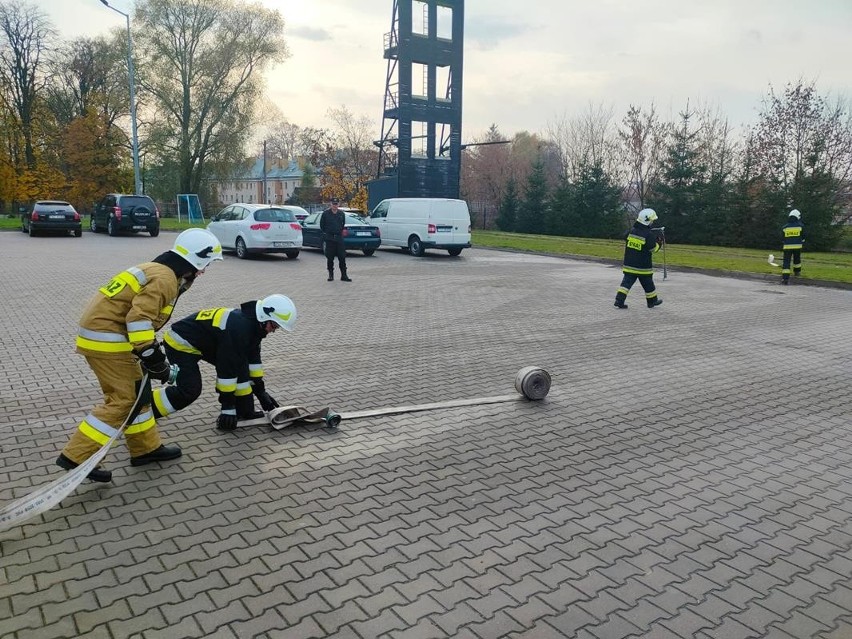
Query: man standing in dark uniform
{"type": "Point", "coordinates": [794, 238]}
{"type": "Point", "coordinates": [331, 224]}
{"type": "Point", "coordinates": [640, 243]}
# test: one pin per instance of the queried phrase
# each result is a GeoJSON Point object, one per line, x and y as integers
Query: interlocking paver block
{"type": "Point", "coordinates": [726, 511]}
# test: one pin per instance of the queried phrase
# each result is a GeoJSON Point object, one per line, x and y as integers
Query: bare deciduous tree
{"type": "Point", "coordinates": [25, 34]}
{"type": "Point", "coordinates": [800, 133]}
{"type": "Point", "coordinates": [643, 137]}
{"type": "Point", "coordinates": [355, 139]}
{"type": "Point", "coordinates": [586, 140]}
{"type": "Point", "coordinates": [201, 64]}
{"type": "Point", "coordinates": [90, 75]}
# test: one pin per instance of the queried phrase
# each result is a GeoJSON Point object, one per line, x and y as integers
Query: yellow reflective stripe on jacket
{"type": "Point", "coordinates": [142, 337]}
{"type": "Point", "coordinates": [144, 422]}
{"type": "Point", "coordinates": [141, 332]}
{"type": "Point", "coordinates": [134, 278]}
{"type": "Point", "coordinates": [180, 344]}
{"type": "Point", "coordinates": [226, 385]}
{"type": "Point", "coordinates": [637, 271]}
{"type": "Point", "coordinates": [220, 318]}
{"type": "Point", "coordinates": [103, 347]}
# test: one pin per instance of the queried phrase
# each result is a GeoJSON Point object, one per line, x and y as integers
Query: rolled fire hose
{"type": "Point", "coordinates": [531, 382]}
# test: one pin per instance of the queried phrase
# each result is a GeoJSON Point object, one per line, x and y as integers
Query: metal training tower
{"type": "Point", "coordinates": [420, 145]}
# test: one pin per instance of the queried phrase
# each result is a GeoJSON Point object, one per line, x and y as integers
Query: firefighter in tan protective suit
{"type": "Point", "coordinates": [117, 333]}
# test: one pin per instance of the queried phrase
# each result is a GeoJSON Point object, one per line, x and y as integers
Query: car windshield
{"type": "Point", "coordinates": [274, 215]}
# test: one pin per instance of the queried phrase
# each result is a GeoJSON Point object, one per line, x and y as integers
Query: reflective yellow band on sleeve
{"type": "Point", "coordinates": [142, 337]}
{"type": "Point", "coordinates": [103, 347]}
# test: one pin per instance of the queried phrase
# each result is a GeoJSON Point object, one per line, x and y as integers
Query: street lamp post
{"type": "Point", "coordinates": [136, 178]}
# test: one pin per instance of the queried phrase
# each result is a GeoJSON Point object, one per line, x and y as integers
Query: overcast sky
{"type": "Point", "coordinates": [527, 63]}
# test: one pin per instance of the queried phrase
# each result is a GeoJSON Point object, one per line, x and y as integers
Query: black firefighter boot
{"type": "Point", "coordinates": [344, 277]}
{"type": "Point", "coordinates": [656, 301]}
{"type": "Point", "coordinates": [330, 275]}
{"type": "Point", "coordinates": [163, 453]}
{"type": "Point", "coordinates": [97, 474]}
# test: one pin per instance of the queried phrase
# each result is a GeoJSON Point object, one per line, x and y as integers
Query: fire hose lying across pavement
{"type": "Point", "coordinates": [531, 382]}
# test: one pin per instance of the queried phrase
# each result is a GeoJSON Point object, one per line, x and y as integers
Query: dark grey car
{"type": "Point", "coordinates": [51, 216]}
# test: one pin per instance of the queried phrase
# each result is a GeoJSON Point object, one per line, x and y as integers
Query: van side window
{"type": "Point", "coordinates": [381, 210]}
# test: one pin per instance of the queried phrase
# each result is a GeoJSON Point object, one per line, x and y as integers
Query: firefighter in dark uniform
{"type": "Point", "coordinates": [117, 334]}
{"type": "Point", "coordinates": [641, 242]}
{"type": "Point", "coordinates": [794, 238]}
{"type": "Point", "coordinates": [228, 338]}
{"type": "Point", "coordinates": [332, 223]}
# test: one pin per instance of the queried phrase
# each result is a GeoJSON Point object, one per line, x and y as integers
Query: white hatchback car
{"type": "Point", "coordinates": [257, 228]}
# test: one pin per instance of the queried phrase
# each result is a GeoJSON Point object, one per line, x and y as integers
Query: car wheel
{"type": "Point", "coordinates": [31, 230]}
{"type": "Point", "coordinates": [93, 226]}
{"type": "Point", "coordinates": [369, 252]}
{"type": "Point", "coordinates": [78, 233]}
{"type": "Point", "coordinates": [154, 231]}
{"type": "Point", "coordinates": [415, 246]}
{"type": "Point", "coordinates": [291, 255]}
{"type": "Point", "coordinates": [112, 227]}
{"type": "Point", "coordinates": [242, 251]}
{"type": "Point", "coordinates": [454, 251]}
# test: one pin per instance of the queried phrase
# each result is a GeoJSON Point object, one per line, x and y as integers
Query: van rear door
{"type": "Point", "coordinates": [454, 214]}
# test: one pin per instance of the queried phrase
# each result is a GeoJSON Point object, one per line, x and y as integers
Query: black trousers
{"type": "Point", "coordinates": [629, 279]}
{"type": "Point", "coordinates": [794, 256]}
{"type": "Point", "coordinates": [335, 249]}
{"type": "Point", "coordinates": [187, 387]}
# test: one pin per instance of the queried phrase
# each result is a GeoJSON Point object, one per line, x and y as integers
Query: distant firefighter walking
{"type": "Point", "coordinates": [794, 239]}
{"type": "Point", "coordinates": [641, 242]}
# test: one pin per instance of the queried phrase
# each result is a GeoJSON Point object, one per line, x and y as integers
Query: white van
{"type": "Point", "coordinates": [423, 223]}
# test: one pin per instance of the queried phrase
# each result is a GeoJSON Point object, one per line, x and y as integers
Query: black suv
{"type": "Point", "coordinates": [116, 213]}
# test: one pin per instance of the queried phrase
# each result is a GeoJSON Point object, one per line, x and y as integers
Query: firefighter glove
{"type": "Point", "coordinates": [267, 401]}
{"type": "Point", "coordinates": [153, 360]}
{"type": "Point", "coordinates": [226, 421]}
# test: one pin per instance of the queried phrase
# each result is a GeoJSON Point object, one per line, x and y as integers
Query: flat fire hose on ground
{"type": "Point", "coordinates": [46, 497]}
{"type": "Point", "coordinates": [531, 382]}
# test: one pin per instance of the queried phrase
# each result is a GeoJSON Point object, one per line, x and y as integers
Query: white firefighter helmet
{"type": "Point", "coordinates": [199, 247]}
{"type": "Point", "coordinates": [796, 214]}
{"type": "Point", "coordinates": [277, 308]}
{"type": "Point", "coordinates": [646, 216]}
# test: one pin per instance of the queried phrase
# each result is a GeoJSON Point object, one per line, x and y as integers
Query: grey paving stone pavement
{"type": "Point", "coordinates": [689, 475]}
